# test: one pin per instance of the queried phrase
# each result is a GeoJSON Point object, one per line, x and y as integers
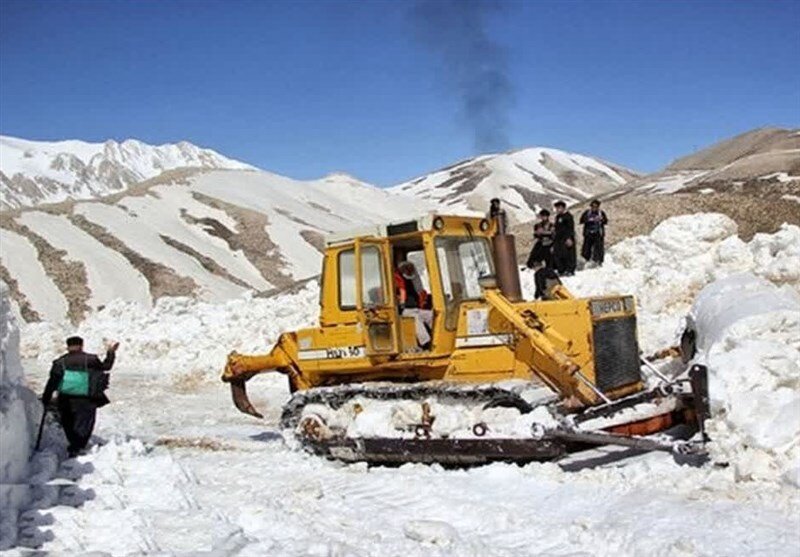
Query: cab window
{"type": "Point", "coordinates": [347, 279]}
{"type": "Point", "coordinates": [372, 288]}
{"type": "Point", "coordinates": [462, 261]}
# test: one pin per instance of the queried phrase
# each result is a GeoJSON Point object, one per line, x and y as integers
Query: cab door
{"type": "Point", "coordinates": [376, 305]}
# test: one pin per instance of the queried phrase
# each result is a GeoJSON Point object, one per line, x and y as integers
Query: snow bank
{"type": "Point", "coordinates": [19, 413]}
{"type": "Point", "coordinates": [666, 269]}
{"type": "Point", "coordinates": [749, 337]}
{"type": "Point", "coordinates": [777, 256]}
{"type": "Point", "coordinates": [182, 336]}
{"type": "Point", "coordinates": [747, 313]}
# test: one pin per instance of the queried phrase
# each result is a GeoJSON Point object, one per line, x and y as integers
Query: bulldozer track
{"type": "Point", "coordinates": [424, 449]}
{"type": "Point", "coordinates": [335, 397]}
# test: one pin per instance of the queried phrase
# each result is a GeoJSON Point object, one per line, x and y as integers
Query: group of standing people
{"type": "Point", "coordinates": [554, 250]}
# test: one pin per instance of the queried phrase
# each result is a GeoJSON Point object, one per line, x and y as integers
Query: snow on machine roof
{"type": "Point", "coordinates": [422, 223]}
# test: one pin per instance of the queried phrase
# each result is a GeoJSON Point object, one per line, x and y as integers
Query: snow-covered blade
{"type": "Point", "coordinates": [36, 172]}
{"type": "Point", "coordinates": [526, 180]}
{"type": "Point", "coordinates": [742, 323]}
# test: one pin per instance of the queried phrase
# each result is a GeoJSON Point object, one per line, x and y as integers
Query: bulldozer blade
{"type": "Point", "coordinates": [240, 400]}
{"type": "Point", "coordinates": [698, 376]}
{"type": "Point", "coordinates": [438, 451]}
{"type": "Point", "coordinates": [554, 445]}
{"type": "Point", "coordinates": [634, 442]}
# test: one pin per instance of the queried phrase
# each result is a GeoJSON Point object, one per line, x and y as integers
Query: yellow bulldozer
{"type": "Point", "coordinates": [471, 373]}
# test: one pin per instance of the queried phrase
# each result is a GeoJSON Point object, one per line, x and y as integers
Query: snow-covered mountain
{"type": "Point", "coordinates": [754, 178]}
{"type": "Point", "coordinates": [208, 234]}
{"type": "Point", "coordinates": [525, 180]}
{"type": "Point", "coordinates": [149, 222]}
{"type": "Point", "coordinates": [36, 172]}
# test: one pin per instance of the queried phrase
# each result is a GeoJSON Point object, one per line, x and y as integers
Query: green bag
{"type": "Point", "coordinates": [74, 383]}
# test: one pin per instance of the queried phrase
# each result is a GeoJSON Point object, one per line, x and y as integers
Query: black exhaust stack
{"type": "Point", "coordinates": [505, 254]}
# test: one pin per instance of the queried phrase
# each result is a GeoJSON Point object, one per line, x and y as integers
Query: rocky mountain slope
{"type": "Point", "coordinates": [526, 180]}
{"type": "Point", "coordinates": [753, 178]}
{"type": "Point", "coordinates": [35, 172]}
{"type": "Point", "coordinates": [766, 159]}
{"type": "Point", "coordinates": [209, 234]}
{"type": "Point", "coordinates": [215, 233]}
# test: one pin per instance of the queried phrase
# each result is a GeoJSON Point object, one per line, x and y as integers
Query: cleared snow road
{"type": "Point", "coordinates": [181, 471]}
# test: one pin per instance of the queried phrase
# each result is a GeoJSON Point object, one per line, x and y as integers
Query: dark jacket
{"type": "Point", "coordinates": [74, 360]}
{"type": "Point", "coordinates": [545, 279]}
{"type": "Point", "coordinates": [543, 233]}
{"type": "Point", "coordinates": [564, 227]}
{"type": "Point", "coordinates": [412, 296]}
{"type": "Point", "coordinates": [594, 222]}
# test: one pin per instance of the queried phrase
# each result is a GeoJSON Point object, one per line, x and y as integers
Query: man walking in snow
{"type": "Point", "coordinates": [564, 257]}
{"type": "Point", "coordinates": [594, 223]}
{"type": "Point", "coordinates": [80, 380]}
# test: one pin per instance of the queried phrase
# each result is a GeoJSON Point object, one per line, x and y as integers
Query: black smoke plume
{"type": "Point", "coordinates": [474, 66]}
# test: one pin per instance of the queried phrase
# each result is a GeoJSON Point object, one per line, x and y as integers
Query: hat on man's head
{"type": "Point", "coordinates": [559, 203]}
{"type": "Point", "coordinates": [407, 269]}
{"type": "Point", "coordinates": [74, 341]}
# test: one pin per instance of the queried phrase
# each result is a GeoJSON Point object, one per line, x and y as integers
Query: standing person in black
{"type": "Point", "coordinates": [80, 381]}
{"type": "Point", "coordinates": [594, 223]}
{"type": "Point", "coordinates": [543, 233]}
{"type": "Point", "coordinates": [564, 257]}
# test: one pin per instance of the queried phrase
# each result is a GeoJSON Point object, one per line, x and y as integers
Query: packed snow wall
{"type": "Point", "coordinates": [181, 337]}
{"type": "Point", "coordinates": [748, 334]}
{"type": "Point", "coordinates": [19, 414]}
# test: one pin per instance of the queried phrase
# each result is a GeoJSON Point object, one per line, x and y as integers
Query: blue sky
{"type": "Point", "coordinates": [305, 88]}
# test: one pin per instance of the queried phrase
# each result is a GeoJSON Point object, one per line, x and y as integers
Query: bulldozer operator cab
{"type": "Point", "coordinates": [361, 271]}
{"type": "Point", "coordinates": [478, 328]}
